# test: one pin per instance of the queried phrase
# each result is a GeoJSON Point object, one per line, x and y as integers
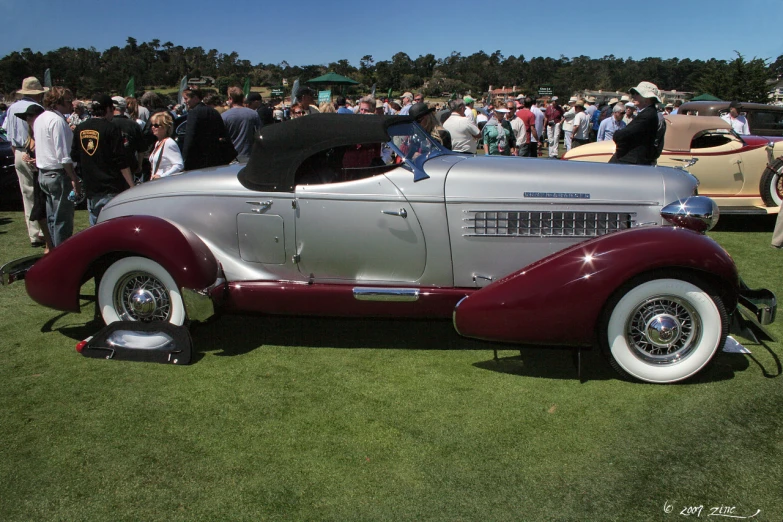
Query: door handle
{"type": "Point", "coordinates": [402, 213]}
{"type": "Point", "coordinates": [265, 204]}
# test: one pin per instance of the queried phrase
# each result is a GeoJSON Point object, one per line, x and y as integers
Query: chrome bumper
{"type": "Point", "coordinates": [758, 308]}
{"type": "Point", "coordinates": [762, 303]}
{"type": "Point", "coordinates": [15, 270]}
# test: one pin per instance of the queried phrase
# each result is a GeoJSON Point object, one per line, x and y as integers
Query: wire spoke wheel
{"type": "Point", "coordinates": [141, 297]}
{"type": "Point", "coordinates": [663, 330]}
{"type": "Point", "coordinates": [139, 289]}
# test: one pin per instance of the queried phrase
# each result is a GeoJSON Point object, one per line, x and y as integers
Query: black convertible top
{"type": "Point", "coordinates": [281, 148]}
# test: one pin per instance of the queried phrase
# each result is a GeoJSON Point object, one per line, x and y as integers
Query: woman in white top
{"type": "Point", "coordinates": [166, 158]}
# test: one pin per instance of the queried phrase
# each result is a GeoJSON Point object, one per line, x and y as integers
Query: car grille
{"type": "Point", "coordinates": [545, 223]}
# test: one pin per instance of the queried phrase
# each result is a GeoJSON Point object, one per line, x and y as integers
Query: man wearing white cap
{"type": "Point", "coordinates": [407, 102]}
{"type": "Point", "coordinates": [568, 123]}
{"type": "Point", "coordinates": [16, 130]}
{"type": "Point", "coordinates": [630, 112]}
{"type": "Point", "coordinates": [636, 144]}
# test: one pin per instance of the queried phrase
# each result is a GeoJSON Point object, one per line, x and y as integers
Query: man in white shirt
{"type": "Point", "coordinates": [53, 140]}
{"type": "Point", "coordinates": [16, 130]}
{"type": "Point", "coordinates": [581, 132]}
{"type": "Point", "coordinates": [568, 123]}
{"type": "Point", "coordinates": [737, 121]}
{"type": "Point", "coordinates": [464, 133]}
{"type": "Point", "coordinates": [535, 144]}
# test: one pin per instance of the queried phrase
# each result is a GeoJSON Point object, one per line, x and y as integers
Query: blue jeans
{"type": "Point", "coordinates": [59, 211]}
{"type": "Point", "coordinates": [95, 204]}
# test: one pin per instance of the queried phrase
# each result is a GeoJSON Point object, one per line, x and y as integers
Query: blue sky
{"type": "Point", "coordinates": [309, 32]}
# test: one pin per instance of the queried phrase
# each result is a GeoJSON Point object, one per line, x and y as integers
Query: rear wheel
{"type": "Point", "coordinates": [663, 330]}
{"type": "Point", "coordinates": [771, 187]}
{"type": "Point", "coordinates": [139, 289]}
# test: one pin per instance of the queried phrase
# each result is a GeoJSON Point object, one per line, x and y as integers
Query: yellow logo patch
{"type": "Point", "coordinates": [89, 141]}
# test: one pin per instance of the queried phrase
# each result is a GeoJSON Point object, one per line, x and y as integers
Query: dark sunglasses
{"type": "Point", "coordinates": [156, 125]}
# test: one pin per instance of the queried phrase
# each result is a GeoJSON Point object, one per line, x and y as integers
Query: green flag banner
{"type": "Point", "coordinates": [246, 88]}
{"type": "Point", "coordinates": [390, 93]}
{"type": "Point", "coordinates": [130, 88]}
{"type": "Point", "coordinates": [183, 84]}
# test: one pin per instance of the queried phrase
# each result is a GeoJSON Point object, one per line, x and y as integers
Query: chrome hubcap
{"type": "Point", "coordinates": [663, 330]}
{"type": "Point", "coordinates": [140, 296]}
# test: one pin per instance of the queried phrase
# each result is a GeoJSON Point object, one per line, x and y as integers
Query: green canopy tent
{"type": "Point", "coordinates": [705, 97]}
{"type": "Point", "coordinates": [331, 78]}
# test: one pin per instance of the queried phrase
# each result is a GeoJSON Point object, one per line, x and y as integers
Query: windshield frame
{"type": "Point", "coordinates": [425, 147]}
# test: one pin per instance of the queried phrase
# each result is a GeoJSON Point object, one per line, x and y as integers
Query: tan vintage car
{"type": "Point", "coordinates": [742, 174]}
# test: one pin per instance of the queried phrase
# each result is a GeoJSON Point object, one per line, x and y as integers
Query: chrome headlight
{"type": "Point", "coordinates": [697, 213]}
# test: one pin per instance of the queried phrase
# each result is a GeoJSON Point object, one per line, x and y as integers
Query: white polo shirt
{"type": "Point", "coordinates": [53, 139]}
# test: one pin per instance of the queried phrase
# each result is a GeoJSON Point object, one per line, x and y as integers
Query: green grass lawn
{"type": "Point", "coordinates": [315, 419]}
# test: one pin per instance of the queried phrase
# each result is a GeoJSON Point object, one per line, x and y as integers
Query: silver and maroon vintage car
{"type": "Point", "coordinates": [339, 215]}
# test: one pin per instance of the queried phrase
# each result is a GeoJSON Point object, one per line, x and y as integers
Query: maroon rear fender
{"type": "Point", "coordinates": [558, 300]}
{"type": "Point", "coordinates": [55, 279]}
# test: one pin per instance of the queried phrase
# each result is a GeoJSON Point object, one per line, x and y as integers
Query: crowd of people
{"type": "Point", "coordinates": [67, 149]}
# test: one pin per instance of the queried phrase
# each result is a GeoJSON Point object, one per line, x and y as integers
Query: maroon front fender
{"type": "Point", "coordinates": [55, 280]}
{"type": "Point", "coordinates": [558, 299]}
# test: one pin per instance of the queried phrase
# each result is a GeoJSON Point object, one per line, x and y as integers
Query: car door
{"type": "Point", "coordinates": [720, 168]}
{"type": "Point", "coordinates": [261, 228]}
{"type": "Point", "coordinates": [363, 230]}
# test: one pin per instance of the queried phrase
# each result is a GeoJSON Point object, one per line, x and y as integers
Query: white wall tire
{"type": "Point", "coordinates": [663, 330]}
{"type": "Point", "coordinates": [772, 184]}
{"type": "Point", "coordinates": [139, 289]}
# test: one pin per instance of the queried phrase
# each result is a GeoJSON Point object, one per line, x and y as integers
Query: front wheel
{"type": "Point", "coordinates": [139, 289]}
{"type": "Point", "coordinates": [771, 186]}
{"type": "Point", "coordinates": [663, 330]}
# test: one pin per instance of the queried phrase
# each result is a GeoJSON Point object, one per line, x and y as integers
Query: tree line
{"type": "Point", "coordinates": [156, 65]}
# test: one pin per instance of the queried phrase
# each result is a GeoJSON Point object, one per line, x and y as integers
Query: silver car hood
{"type": "Point", "coordinates": [512, 179]}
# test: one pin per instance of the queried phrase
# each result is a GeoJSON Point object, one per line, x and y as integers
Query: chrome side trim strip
{"type": "Point", "coordinates": [386, 294]}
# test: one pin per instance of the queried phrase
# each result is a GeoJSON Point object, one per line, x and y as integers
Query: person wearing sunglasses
{"type": "Point", "coordinates": [297, 111]}
{"type": "Point", "coordinates": [166, 158]}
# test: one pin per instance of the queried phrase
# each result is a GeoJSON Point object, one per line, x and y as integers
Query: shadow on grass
{"type": "Point", "coordinates": [554, 362]}
{"type": "Point", "coordinates": [4, 222]}
{"type": "Point", "coordinates": [740, 223]}
{"type": "Point", "coordinates": [778, 365]}
{"type": "Point", "coordinates": [235, 335]}
{"type": "Point", "coordinates": [560, 363]}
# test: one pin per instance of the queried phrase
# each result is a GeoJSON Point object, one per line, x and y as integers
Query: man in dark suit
{"type": "Point", "coordinates": [203, 133]}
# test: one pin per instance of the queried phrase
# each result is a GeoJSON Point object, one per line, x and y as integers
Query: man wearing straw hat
{"type": "Point", "coordinates": [16, 129]}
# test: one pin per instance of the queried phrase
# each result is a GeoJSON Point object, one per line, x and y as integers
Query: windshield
{"type": "Point", "coordinates": [412, 143]}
